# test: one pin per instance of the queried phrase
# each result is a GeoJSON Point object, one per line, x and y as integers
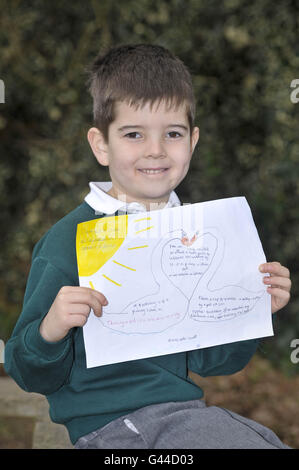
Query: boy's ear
{"type": "Point", "coordinates": [194, 138]}
{"type": "Point", "coordinates": [98, 145]}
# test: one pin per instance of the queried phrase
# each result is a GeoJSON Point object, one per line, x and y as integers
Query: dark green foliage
{"type": "Point", "coordinates": [243, 56]}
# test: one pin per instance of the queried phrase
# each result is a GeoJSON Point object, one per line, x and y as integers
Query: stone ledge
{"type": "Point", "coordinates": [15, 402]}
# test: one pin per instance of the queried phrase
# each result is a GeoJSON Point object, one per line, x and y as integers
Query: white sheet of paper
{"type": "Point", "coordinates": [176, 279]}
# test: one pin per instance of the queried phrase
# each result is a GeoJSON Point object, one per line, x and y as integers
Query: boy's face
{"type": "Point", "coordinates": [148, 152]}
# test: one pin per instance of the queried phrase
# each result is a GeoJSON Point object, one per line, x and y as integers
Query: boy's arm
{"type": "Point", "coordinates": [224, 359]}
{"type": "Point", "coordinates": [35, 364]}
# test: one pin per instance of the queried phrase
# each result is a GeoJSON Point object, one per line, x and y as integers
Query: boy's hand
{"type": "Point", "coordinates": [70, 308]}
{"type": "Point", "coordinates": [279, 284]}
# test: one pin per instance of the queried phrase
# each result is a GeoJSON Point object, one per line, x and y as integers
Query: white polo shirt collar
{"type": "Point", "coordinates": [102, 202]}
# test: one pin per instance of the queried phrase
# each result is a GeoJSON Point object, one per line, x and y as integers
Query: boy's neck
{"type": "Point", "coordinates": [149, 204]}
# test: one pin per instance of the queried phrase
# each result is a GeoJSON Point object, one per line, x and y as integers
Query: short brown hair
{"type": "Point", "coordinates": [138, 74]}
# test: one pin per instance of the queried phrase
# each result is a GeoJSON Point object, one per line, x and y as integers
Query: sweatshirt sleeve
{"type": "Point", "coordinates": [35, 364]}
{"type": "Point", "coordinates": [224, 359]}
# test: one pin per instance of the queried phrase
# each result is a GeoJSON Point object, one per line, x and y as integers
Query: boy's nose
{"type": "Point", "coordinates": [155, 149]}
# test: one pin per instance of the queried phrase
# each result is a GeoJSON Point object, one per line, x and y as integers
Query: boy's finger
{"type": "Point", "coordinates": [99, 294]}
{"type": "Point", "coordinates": [85, 309]}
{"type": "Point", "coordinates": [283, 282]}
{"type": "Point", "coordinates": [76, 293]}
{"type": "Point", "coordinates": [89, 298]}
{"type": "Point", "coordinates": [274, 268]}
{"type": "Point", "coordinates": [77, 320]}
{"type": "Point", "coordinates": [96, 304]}
{"type": "Point", "coordinates": [101, 298]}
{"type": "Point", "coordinates": [79, 309]}
{"type": "Point", "coordinates": [279, 293]}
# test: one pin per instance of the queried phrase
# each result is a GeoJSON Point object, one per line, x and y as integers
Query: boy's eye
{"type": "Point", "coordinates": [174, 134]}
{"type": "Point", "coordinates": [137, 135]}
{"type": "Point", "coordinates": [133, 135]}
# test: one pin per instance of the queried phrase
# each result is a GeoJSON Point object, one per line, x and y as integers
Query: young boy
{"type": "Point", "coordinates": [144, 132]}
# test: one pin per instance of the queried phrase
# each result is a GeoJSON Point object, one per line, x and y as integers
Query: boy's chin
{"type": "Point", "coordinates": [154, 196]}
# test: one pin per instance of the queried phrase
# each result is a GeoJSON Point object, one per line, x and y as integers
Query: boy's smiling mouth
{"type": "Point", "coordinates": [152, 171]}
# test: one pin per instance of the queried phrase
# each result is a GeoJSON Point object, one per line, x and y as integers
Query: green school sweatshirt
{"type": "Point", "coordinates": [87, 399]}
